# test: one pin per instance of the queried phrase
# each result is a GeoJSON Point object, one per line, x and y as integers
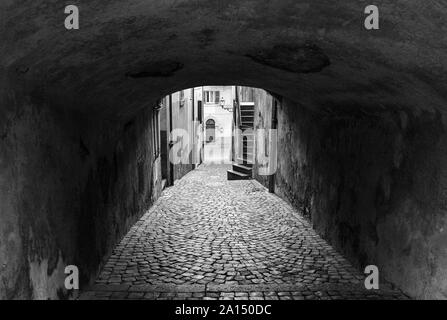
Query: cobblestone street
{"type": "Point", "coordinates": [209, 238]}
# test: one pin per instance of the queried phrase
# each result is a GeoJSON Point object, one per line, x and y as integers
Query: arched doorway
{"type": "Point", "coordinates": [210, 126]}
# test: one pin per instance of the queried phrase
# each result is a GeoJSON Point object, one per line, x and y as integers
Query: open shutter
{"type": "Point", "coordinates": [217, 96]}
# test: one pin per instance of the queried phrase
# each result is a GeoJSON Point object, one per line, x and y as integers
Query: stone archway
{"type": "Point", "coordinates": [363, 115]}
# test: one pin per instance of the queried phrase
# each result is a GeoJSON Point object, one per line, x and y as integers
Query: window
{"type": "Point", "coordinates": [182, 98]}
{"type": "Point", "coordinates": [210, 126]}
{"type": "Point", "coordinates": [217, 96]}
{"type": "Point", "coordinates": [212, 96]}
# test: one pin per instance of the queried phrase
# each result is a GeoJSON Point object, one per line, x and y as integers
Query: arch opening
{"type": "Point", "coordinates": [210, 130]}
{"type": "Point", "coordinates": [359, 119]}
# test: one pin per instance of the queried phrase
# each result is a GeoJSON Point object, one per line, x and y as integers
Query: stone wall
{"type": "Point", "coordinates": [374, 185]}
{"type": "Point", "coordinates": [262, 121]}
{"type": "Point", "coordinates": [71, 186]}
{"type": "Point", "coordinates": [123, 180]}
{"type": "Point", "coordinates": [182, 120]}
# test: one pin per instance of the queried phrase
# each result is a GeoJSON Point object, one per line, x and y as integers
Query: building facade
{"type": "Point", "coordinates": [218, 104]}
{"type": "Point", "coordinates": [181, 133]}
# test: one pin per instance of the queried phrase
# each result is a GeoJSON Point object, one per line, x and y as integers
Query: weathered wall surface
{"type": "Point", "coordinates": [262, 124]}
{"type": "Point", "coordinates": [39, 197]}
{"type": "Point", "coordinates": [70, 187]}
{"type": "Point", "coordinates": [182, 132]}
{"type": "Point", "coordinates": [373, 183]}
{"type": "Point", "coordinates": [122, 181]}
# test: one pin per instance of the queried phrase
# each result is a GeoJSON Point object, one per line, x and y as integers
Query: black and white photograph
{"type": "Point", "coordinates": [232, 157]}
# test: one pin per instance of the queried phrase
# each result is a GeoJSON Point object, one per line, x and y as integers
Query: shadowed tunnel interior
{"type": "Point", "coordinates": [362, 143]}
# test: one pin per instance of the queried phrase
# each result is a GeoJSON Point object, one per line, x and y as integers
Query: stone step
{"type": "Point", "coordinates": [234, 175]}
{"type": "Point", "coordinates": [242, 168]}
{"type": "Point", "coordinates": [248, 163]}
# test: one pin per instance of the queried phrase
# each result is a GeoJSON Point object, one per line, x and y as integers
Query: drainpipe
{"type": "Point", "coordinates": [193, 133]}
{"type": "Point", "coordinates": [171, 144]}
{"type": "Point", "coordinates": [202, 151]}
{"type": "Point", "coordinates": [274, 127]}
{"type": "Point", "coordinates": [234, 126]}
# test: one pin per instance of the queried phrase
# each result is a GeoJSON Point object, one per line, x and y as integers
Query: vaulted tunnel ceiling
{"type": "Point", "coordinates": [126, 54]}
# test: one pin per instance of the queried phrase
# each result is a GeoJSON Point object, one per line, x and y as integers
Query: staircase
{"type": "Point", "coordinates": [242, 169]}
{"type": "Point", "coordinates": [240, 172]}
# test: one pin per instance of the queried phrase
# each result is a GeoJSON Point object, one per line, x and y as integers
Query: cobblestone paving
{"type": "Point", "coordinates": [209, 238]}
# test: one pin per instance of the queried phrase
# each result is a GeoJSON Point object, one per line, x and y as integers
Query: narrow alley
{"type": "Point", "coordinates": [207, 237]}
